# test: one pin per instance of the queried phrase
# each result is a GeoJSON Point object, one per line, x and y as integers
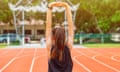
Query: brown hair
{"type": "Point", "coordinates": [59, 36]}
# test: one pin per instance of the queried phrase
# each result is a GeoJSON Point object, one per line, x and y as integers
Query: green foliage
{"type": "Point", "coordinates": [104, 24]}
{"type": "Point", "coordinates": [5, 13]}
{"type": "Point", "coordinates": [17, 42]}
{"type": "Point", "coordinates": [2, 15]}
{"type": "Point", "coordinates": [104, 11]}
{"type": "Point", "coordinates": [51, 0]}
{"type": "Point", "coordinates": [92, 14]}
{"type": "Point", "coordinates": [116, 16]}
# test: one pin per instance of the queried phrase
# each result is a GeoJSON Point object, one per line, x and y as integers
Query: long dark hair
{"type": "Point", "coordinates": [59, 37]}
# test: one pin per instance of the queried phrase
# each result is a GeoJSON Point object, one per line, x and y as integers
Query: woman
{"type": "Point", "coordinates": [60, 58]}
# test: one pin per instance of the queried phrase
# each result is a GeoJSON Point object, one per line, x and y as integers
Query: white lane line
{"type": "Point", "coordinates": [33, 61]}
{"type": "Point", "coordinates": [34, 58]}
{"type": "Point", "coordinates": [93, 58]}
{"type": "Point", "coordinates": [8, 64]}
{"type": "Point", "coordinates": [113, 58]}
{"type": "Point", "coordinates": [13, 59]}
{"type": "Point", "coordinates": [18, 58]}
{"type": "Point", "coordinates": [32, 64]}
{"type": "Point", "coordinates": [83, 66]}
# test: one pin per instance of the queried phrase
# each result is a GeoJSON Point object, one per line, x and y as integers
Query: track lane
{"type": "Point", "coordinates": [4, 59]}
{"type": "Point", "coordinates": [77, 65]}
{"type": "Point", "coordinates": [22, 61]}
{"type": "Point", "coordinates": [92, 63]}
{"type": "Point", "coordinates": [41, 61]}
{"type": "Point", "coordinates": [85, 60]}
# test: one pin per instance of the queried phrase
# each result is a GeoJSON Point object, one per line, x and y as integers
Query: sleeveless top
{"type": "Point", "coordinates": [66, 65]}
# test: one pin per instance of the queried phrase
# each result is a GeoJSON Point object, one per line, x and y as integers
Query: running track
{"type": "Point", "coordinates": [35, 60]}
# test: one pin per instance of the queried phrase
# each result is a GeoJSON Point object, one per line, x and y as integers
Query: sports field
{"type": "Point", "coordinates": [106, 45]}
{"type": "Point", "coordinates": [3, 45]}
{"type": "Point", "coordinates": [35, 60]}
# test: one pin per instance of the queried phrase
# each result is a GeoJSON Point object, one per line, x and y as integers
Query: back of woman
{"type": "Point", "coordinates": [60, 57]}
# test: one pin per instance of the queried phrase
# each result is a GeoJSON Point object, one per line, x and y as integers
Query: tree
{"type": "Point", "coordinates": [92, 16]}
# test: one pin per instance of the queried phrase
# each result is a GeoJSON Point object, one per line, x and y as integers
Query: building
{"type": "Point", "coordinates": [35, 29]}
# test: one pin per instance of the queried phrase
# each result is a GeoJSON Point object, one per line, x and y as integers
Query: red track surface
{"type": "Point", "coordinates": [35, 60]}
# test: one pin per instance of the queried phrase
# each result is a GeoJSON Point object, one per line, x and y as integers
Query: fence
{"type": "Point", "coordinates": [97, 38]}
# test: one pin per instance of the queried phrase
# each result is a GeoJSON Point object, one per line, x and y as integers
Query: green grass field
{"type": "Point", "coordinates": [102, 45]}
{"type": "Point", "coordinates": [2, 45]}
{"type": "Point", "coordinates": [88, 45]}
